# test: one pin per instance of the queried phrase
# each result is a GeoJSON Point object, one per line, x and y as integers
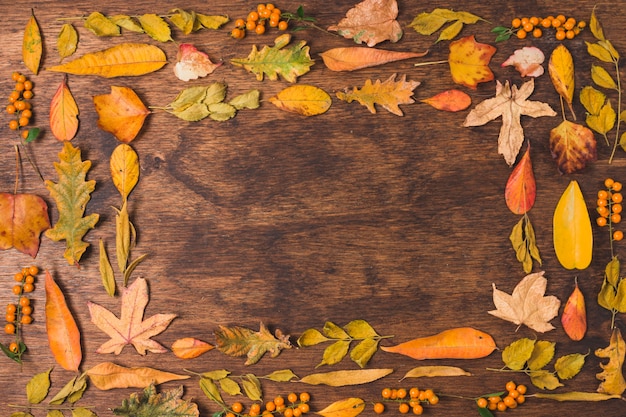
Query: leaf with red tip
{"type": "Point", "coordinates": [521, 189]}
{"type": "Point", "coordinates": [192, 63]}
{"type": "Point", "coordinates": [574, 317]}
{"type": "Point", "coordinates": [189, 347]}
{"type": "Point", "coordinates": [449, 100]}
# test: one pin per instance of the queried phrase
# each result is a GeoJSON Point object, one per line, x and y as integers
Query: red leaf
{"type": "Point", "coordinates": [574, 317]}
{"type": "Point", "coordinates": [521, 190]}
{"type": "Point", "coordinates": [450, 100]}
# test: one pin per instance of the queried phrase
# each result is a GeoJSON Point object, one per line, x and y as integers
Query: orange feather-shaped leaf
{"type": "Point", "coordinates": [521, 189]}
{"type": "Point", "coordinates": [357, 57]}
{"type": "Point", "coordinates": [63, 114]}
{"type": "Point", "coordinates": [574, 317]}
{"type": "Point", "coordinates": [63, 333]}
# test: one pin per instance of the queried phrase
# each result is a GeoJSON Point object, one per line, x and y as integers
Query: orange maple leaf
{"type": "Point", "coordinates": [130, 328]}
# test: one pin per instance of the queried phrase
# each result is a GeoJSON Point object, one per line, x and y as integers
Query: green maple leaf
{"type": "Point", "coordinates": [72, 193]}
{"type": "Point", "coordinates": [150, 404]}
{"type": "Point", "coordinates": [290, 63]}
{"type": "Point", "coordinates": [240, 341]}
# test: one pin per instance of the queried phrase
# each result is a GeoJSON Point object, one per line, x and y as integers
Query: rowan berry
{"type": "Point", "coordinates": [250, 24]}
{"type": "Point", "coordinates": [270, 406]}
{"type": "Point", "coordinates": [238, 33]}
{"type": "Point", "coordinates": [31, 287]}
{"type": "Point", "coordinates": [510, 386]}
{"type": "Point", "coordinates": [414, 392]}
{"type": "Point", "coordinates": [601, 221]}
{"type": "Point", "coordinates": [253, 16]}
{"type": "Point", "coordinates": [26, 320]}
{"type": "Point", "coordinates": [617, 197]}
{"type": "Point", "coordinates": [259, 29]}
{"type": "Point", "coordinates": [270, 6]}
{"type": "Point", "coordinates": [10, 109]}
{"type": "Point", "coordinates": [521, 399]}
{"type": "Point", "coordinates": [559, 35]}
{"type": "Point", "coordinates": [10, 317]}
{"type": "Point", "coordinates": [418, 410]}
{"type": "Point", "coordinates": [379, 408]}
{"type": "Point", "coordinates": [515, 23]}
{"type": "Point", "coordinates": [608, 183]}
{"type": "Point", "coordinates": [237, 407]}
{"type": "Point", "coordinates": [288, 412]}
{"type": "Point", "coordinates": [14, 124]}
{"type": "Point", "coordinates": [283, 25]}
{"type": "Point", "coordinates": [546, 23]}
{"type": "Point", "coordinates": [570, 34]}
{"type": "Point", "coordinates": [11, 308]}
{"type": "Point", "coordinates": [278, 400]}
{"type": "Point", "coordinates": [15, 75]}
{"type": "Point", "coordinates": [521, 34]}
{"type": "Point", "coordinates": [13, 347]}
{"type": "Point", "coordinates": [513, 394]}
{"type": "Point", "coordinates": [17, 289]}
{"type": "Point", "coordinates": [537, 33]}
{"type": "Point", "coordinates": [9, 328]}
{"type": "Point", "coordinates": [386, 393]}
{"type": "Point", "coordinates": [618, 235]}
{"type": "Point", "coordinates": [304, 407]}
{"type": "Point", "coordinates": [502, 406]}
{"type": "Point", "coordinates": [24, 301]}
{"type": "Point", "coordinates": [305, 397]}
{"type": "Point", "coordinates": [19, 86]}
{"type": "Point", "coordinates": [33, 270]}
{"type": "Point", "coordinates": [403, 408]}
{"type": "Point", "coordinates": [27, 310]}
{"type": "Point", "coordinates": [528, 27]}
{"type": "Point", "coordinates": [534, 20]}
{"type": "Point", "coordinates": [434, 400]}
{"type": "Point", "coordinates": [15, 95]}
{"type": "Point", "coordinates": [401, 393]}
{"type": "Point", "coordinates": [276, 11]}
{"type": "Point", "coordinates": [23, 121]}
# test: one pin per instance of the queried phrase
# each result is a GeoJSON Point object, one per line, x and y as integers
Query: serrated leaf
{"type": "Point", "coordinates": [23, 217]}
{"type": "Point", "coordinates": [306, 100]}
{"type": "Point", "coordinates": [32, 45]}
{"type": "Point", "coordinates": [121, 113]}
{"type": "Point", "coordinates": [67, 40]}
{"type": "Point", "coordinates": [106, 270]}
{"type": "Point", "coordinates": [283, 375]}
{"type": "Point", "coordinates": [311, 337]}
{"type": "Point", "coordinates": [100, 25]}
{"type": "Point", "coordinates": [72, 193]}
{"type": "Point", "coordinates": [63, 114]}
{"type": "Point", "coordinates": [335, 352]}
{"type": "Point", "coordinates": [568, 366]}
{"type": "Point", "coordinates": [288, 62]}
{"type": "Point", "coordinates": [127, 59]}
{"type": "Point", "coordinates": [107, 375]}
{"type": "Point", "coordinates": [370, 22]}
{"type": "Point", "coordinates": [150, 403]}
{"type": "Point", "coordinates": [602, 78]}
{"type": "Point", "coordinates": [389, 94]}
{"type": "Point", "coordinates": [363, 351]}
{"type": "Point", "coordinates": [517, 353]}
{"type": "Point", "coordinates": [592, 99]}
{"type": "Point", "coordinates": [545, 380]}
{"type": "Point", "coordinates": [126, 22]}
{"type": "Point", "coordinates": [155, 27]}
{"type": "Point", "coordinates": [350, 407]}
{"type": "Point", "coordinates": [543, 352]}
{"type": "Point", "coordinates": [347, 377]}
{"type": "Point", "coordinates": [38, 386]}
{"type": "Point", "coordinates": [240, 341]}
{"type": "Point", "coordinates": [572, 233]}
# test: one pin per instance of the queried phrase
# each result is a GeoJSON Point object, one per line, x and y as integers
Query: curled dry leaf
{"type": "Point", "coordinates": [355, 57]}
{"type": "Point", "coordinates": [63, 333]}
{"type": "Point", "coordinates": [189, 347]}
{"type": "Point", "coordinates": [434, 371]}
{"type": "Point", "coordinates": [574, 316]}
{"type": "Point", "coordinates": [107, 375]}
{"type": "Point", "coordinates": [350, 407]}
{"type": "Point", "coordinates": [63, 114]}
{"type": "Point", "coordinates": [306, 100]}
{"type": "Point", "coordinates": [450, 100]}
{"type": "Point", "coordinates": [527, 61]}
{"type": "Point", "coordinates": [23, 217]}
{"type": "Point", "coordinates": [347, 377]}
{"type": "Point", "coordinates": [571, 229]}
{"type": "Point", "coordinates": [457, 343]}
{"type": "Point", "coordinates": [527, 304]}
{"type": "Point", "coordinates": [121, 113]}
{"type": "Point", "coordinates": [192, 64]}
{"type": "Point", "coordinates": [469, 61]}
{"type": "Point", "coordinates": [371, 22]}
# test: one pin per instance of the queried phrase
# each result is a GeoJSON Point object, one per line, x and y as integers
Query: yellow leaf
{"type": "Point", "coordinates": [106, 271]}
{"type": "Point", "coordinates": [124, 169]}
{"type": "Point", "coordinates": [613, 382]}
{"type": "Point", "coordinates": [32, 46]}
{"type": "Point", "coordinates": [347, 377]}
{"type": "Point", "coordinates": [306, 100]}
{"type": "Point", "coordinates": [434, 371]}
{"type": "Point", "coordinates": [127, 59]}
{"type": "Point", "coordinates": [100, 25]}
{"type": "Point", "coordinates": [601, 77]}
{"type": "Point", "coordinates": [350, 407]}
{"type": "Point", "coordinates": [469, 61]}
{"type": "Point", "coordinates": [121, 113]}
{"type": "Point", "coordinates": [63, 114]}
{"type": "Point", "coordinates": [595, 26]}
{"type": "Point", "coordinates": [604, 121]}
{"type": "Point", "coordinates": [572, 233]}
{"type": "Point", "coordinates": [67, 41]}
{"type": "Point", "coordinates": [598, 51]}
{"type": "Point", "coordinates": [108, 375]}
{"type": "Point", "coordinates": [592, 99]}
{"type": "Point", "coordinates": [155, 27]}
{"type": "Point", "coordinates": [389, 94]}
{"type": "Point", "coordinates": [561, 69]}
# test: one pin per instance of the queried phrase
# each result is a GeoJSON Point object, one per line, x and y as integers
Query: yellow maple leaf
{"type": "Point", "coordinates": [389, 94]}
{"type": "Point", "coordinates": [469, 61]}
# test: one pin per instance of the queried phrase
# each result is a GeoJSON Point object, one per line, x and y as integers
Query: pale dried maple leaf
{"type": "Point", "coordinates": [527, 304]}
{"type": "Point", "coordinates": [130, 328]}
{"type": "Point", "coordinates": [371, 22]}
{"type": "Point", "coordinates": [511, 104]}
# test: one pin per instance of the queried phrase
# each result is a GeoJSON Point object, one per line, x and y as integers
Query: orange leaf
{"type": "Point", "coordinates": [389, 94]}
{"type": "Point", "coordinates": [356, 57]}
{"type": "Point", "coordinates": [521, 189]}
{"type": "Point", "coordinates": [63, 333]}
{"type": "Point", "coordinates": [450, 100]}
{"type": "Point", "coordinates": [574, 317]}
{"type": "Point", "coordinates": [22, 219]}
{"type": "Point", "coordinates": [372, 22]}
{"type": "Point", "coordinates": [469, 61]}
{"type": "Point", "coordinates": [63, 114]}
{"type": "Point", "coordinates": [121, 113]}
{"type": "Point", "coordinates": [572, 146]}
{"type": "Point", "coordinates": [189, 347]}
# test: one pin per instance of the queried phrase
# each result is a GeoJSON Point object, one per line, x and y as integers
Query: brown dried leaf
{"type": "Point", "coordinates": [572, 146]}
{"type": "Point", "coordinates": [371, 22]}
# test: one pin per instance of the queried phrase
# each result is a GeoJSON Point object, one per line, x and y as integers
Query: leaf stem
{"type": "Point", "coordinates": [619, 107]}
{"type": "Point", "coordinates": [421, 64]}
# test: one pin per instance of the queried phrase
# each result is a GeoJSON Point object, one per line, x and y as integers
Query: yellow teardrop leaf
{"type": "Point", "coordinates": [67, 41]}
{"type": "Point", "coordinates": [561, 69]}
{"type": "Point", "coordinates": [127, 59]}
{"type": "Point", "coordinates": [350, 407]}
{"type": "Point", "coordinates": [601, 77]}
{"type": "Point", "coordinates": [63, 114]}
{"type": "Point", "coordinates": [32, 46]}
{"type": "Point", "coordinates": [435, 370]}
{"type": "Point", "coordinates": [347, 377]}
{"type": "Point", "coordinates": [124, 169]}
{"type": "Point", "coordinates": [306, 100]}
{"type": "Point", "coordinates": [572, 233]}
{"type": "Point", "coordinates": [155, 27]}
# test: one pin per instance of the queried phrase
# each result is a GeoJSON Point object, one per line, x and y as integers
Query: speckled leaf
{"type": "Point", "coordinates": [572, 146]}
{"type": "Point", "coordinates": [469, 61]}
{"type": "Point", "coordinates": [371, 22]}
{"type": "Point", "coordinates": [32, 45]}
{"type": "Point", "coordinates": [23, 217]}
{"type": "Point", "coordinates": [612, 378]}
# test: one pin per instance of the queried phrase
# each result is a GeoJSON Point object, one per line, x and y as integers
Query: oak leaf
{"type": "Point", "coordinates": [527, 304]}
{"type": "Point", "coordinates": [449, 100]}
{"type": "Point", "coordinates": [469, 61]}
{"type": "Point", "coordinates": [32, 45]}
{"type": "Point", "coordinates": [527, 61]}
{"type": "Point", "coordinates": [571, 229]}
{"type": "Point", "coordinates": [389, 94]}
{"type": "Point", "coordinates": [371, 22]}
{"type": "Point", "coordinates": [306, 100]}
{"type": "Point", "coordinates": [150, 403]}
{"type": "Point", "coordinates": [612, 378]}
{"type": "Point", "coordinates": [356, 57]}
{"type": "Point", "coordinates": [240, 341]}
{"type": "Point", "coordinates": [72, 193]}
{"type": "Point", "coordinates": [192, 63]}
{"type": "Point", "coordinates": [121, 113]}
{"type": "Point", "coordinates": [107, 375]}
{"type": "Point", "coordinates": [63, 114]}
{"type": "Point", "coordinates": [23, 217]}
{"type": "Point", "coordinates": [288, 62]}
{"type": "Point", "coordinates": [130, 328]}
{"type": "Point", "coordinates": [127, 59]}
{"type": "Point", "coordinates": [511, 104]}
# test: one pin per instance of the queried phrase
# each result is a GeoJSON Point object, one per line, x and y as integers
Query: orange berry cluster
{"type": "Point", "coordinates": [412, 400]}
{"type": "Point", "coordinates": [20, 313]}
{"type": "Point", "coordinates": [514, 397]}
{"type": "Point", "coordinates": [565, 27]}
{"type": "Point", "coordinates": [609, 207]}
{"type": "Point", "coordinates": [257, 20]}
{"type": "Point", "coordinates": [295, 406]}
{"type": "Point", "coordinates": [19, 104]}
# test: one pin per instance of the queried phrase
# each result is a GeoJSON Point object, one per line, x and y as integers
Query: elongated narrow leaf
{"type": "Point", "coordinates": [356, 57]}
{"type": "Point", "coordinates": [521, 188]}
{"type": "Point", "coordinates": [572, 233]}
{"type": "Point", "coordinates": [63, 114]}
{"type": "Point", "coordinates": [107, 375]}
{"type": "Point", "coordinates": [435, 371]}
{"type": "Point", "coordinates": [106, 271]}
{"type": "Point", "coordinates": [32, 46]}
{"type": "Point", "coordinates": [350, 407]}
{"type": "Point", "coordinates": [127, 59]}
{"type": "Point", "coordinates": [63, 333]}
{"type": "Point", "coordinates": [347, 377]}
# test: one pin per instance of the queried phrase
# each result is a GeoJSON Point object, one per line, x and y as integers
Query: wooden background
{"type": "Point", "coordinates": [290, 221]}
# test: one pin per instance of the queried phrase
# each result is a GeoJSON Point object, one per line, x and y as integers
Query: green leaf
{"type": "Point", "coordinates": [334, 353]}
{"type": "Point", "coordinates": [360, 329]}
{"type": "Point", "coordinates": [100, 25]}
{"type": "Point", "coordinates": [229, 386]}
{"type": "Point", "coordinates": [288, 62]}
{"type": "Point", "coordinates": [72, 193]}
{"type": "Point", "coordinates": [545, 380]}
{"type": "Point", "coordinates": [38, 386]}
{"type": "Point", "coordinates": [517, 353]}
{"type": "Point", "coordinates": [311, 337]}
{"type": "Point", "coordinates": [215, 93]}
{"type": "Point", "coordinates": [569, 366]}
{"type": "Point", "coordinates": [249, 100]}
{"type": "Point", "coordinates": [193, 113]}
{"type": "Point", "coordinates": [221, 111]}
{"type": "Point", "coordinates": [543, 352]}
{"type": "Point", "coordinates": [363, 351]}
{"type": "Point", "coordinates": [150, 403]}
{"type": "Point", "coordinates": [82, 412]}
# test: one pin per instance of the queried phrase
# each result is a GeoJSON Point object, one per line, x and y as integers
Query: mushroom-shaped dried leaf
{"type": "Point", "coordinates": [121, 113]}
{"type": "Point", "coordinates": [527, 61]}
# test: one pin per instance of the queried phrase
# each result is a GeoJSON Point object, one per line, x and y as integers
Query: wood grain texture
{"type": "Point", "coordinates": [291, 221]}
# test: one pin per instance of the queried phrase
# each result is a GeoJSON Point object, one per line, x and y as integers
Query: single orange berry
{"type": "Point", "coordinates": [570, 34]}
{"type": "Point", "coordinates": [253, 16]}
{"type": "Point", "coordinates": [10, 317]}
{"type": "Point", "coordinates": [561, 18]}
{"type": "Point", "coordinates": [521, 399]}
{"type": "Point", "coordinates": [17, 289]}
{"type": "Point", "coordinates": [379, 408]}
{"type": "Point", "coordinates": [9, 328]}
{"type": "Point", "coordinates": [304, 407]}
{"type": "Point", "coordinates": [265, 13]}
{"type": "Point", "coordinates": [255, 408]}
{"type": "Point", "coordinates": [582, 24]}
{"type": "Point", "coordinates": [482, 402]}
{"type": "Point", "coordinates": [31, 287]}
{"type": "Point", "coordinates": [259, 29]}
{"type": "Point", "coordinates": [19, 86]}
{"type": "Point", "coordinates": [603, 195]}
{"type": "Point", "coordinates": [537, 33]}
{"type": "Point", "coordinates": [10, 109]}
{"type": "Point", "coordinates": [603, 211]}
{"type": "Point", "coordinates": [556, 23]}
{"type": "Point", "coordinates": [521, 34]}
{"type": "Point", "coordinates": [240, 23]}
{"type": "Point", "coordinates": [28, 85]}
{"type": "Point", "coordinates": [569, 23]}
{"type": "Point", "coordinates": [401, 393]}
{"type": "Point", "coordinates": [283, 25]}
{"type": "Point", "coordinates": [617, 186]}
{"type": "Point", "coordinates": [414, 392]}
{"type": "Point", "coordinates": [515, 23]}
{"type": "Point", "coordinates": [403, 408]}
{"type": "Point", "coordinates": [279, 401]}
{"type": "Point", "coordinates": [33, 270]}
{"type": "Point", "coordinates": [528, 27]}
{"type": "Point", "coordinates": [386, 393]}
{"type": "Point", "coordinates": [24, 301]}
{"type": "Point", "coordinates": [608, 183]}
{"type": "Point", "coordinates": [270, 406]}
{"type": "Point", "coordinates": [546, 23]}
{"type": "Point", "coordinates": [418, 410]}
{"type": "Point", "coordinates": [513, 394]}
{"type": "Point", "coordinates": [26, 320]}
{"type": "Point", "coordinates": [510, 386]}
{"type": "Point", "coordinates": [14, 124]}
{"type": "Point", "coordinates": [276, 11]}
{"type": "Point", "coordinates": [305, 397]}
{"type": "Point", "coordinates": [18, 277]}
{"type": "Point", "coordinates": [617, 197]}
{"type": "Point", "coordinates": [434, 400]}
{"type": "Point", "coordinates": [11, 308]}
{"type": "Point", "coordinates": [292, 397]}
{"type": "Point", "coordinates": [601, 221]}
{"type": "Point", "coordinates": [260, 7]}
{"type": "Point", "coordinates": [296, 412]}
{"type": "Point", "coordinates": [237, 407]}
{"type": "Point", "coordinates": [559, 35]}
{"type": "Point", "coordinates": [270, 6]}
{"type": "Point", "coordinates": [616, 208]}
{"type": "Point", "coordinates": [250, 25]}
{"type": "Point", "coordinates": [23, 121]}
{"type": "Point", "coordinates": [618, 235]}
{"type": "Point", "coordinates": [15, 75]}
{"type": "Point", "coordinates": [13, 347]}
{"type": "Point", "coordinates": [502, 406]}
{"type": "Point", "coordinates": [288, 412]}
{"type": "Point", "coordinates": [21, 78]}
{"type": "Point", "coordinates": [27, 310]}
{"type": "Point", "coordinates": [524, 20]}
{"type": "Point", "coordinates": [27, 113]}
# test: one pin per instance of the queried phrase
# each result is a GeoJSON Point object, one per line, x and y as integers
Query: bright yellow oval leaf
{"type": "Point", "coordinates": [349, 407]}
{"type": "Point", "coordinates": [63, 114]}
{"type": "Point", "coordinates": [124, 169]}
{"type": "Point", "coordinates": [561, 69]}
{"type": "Point", "coordinates": [127, 59]}
{"type": "Point", "coordinates": [32, 47]}
{"type": "Point", "coordinates": [121, 113]}
{"type": "Point", "coordinates": [306, 100]}
{"type": "Point", "coordinates": [572, 234]}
